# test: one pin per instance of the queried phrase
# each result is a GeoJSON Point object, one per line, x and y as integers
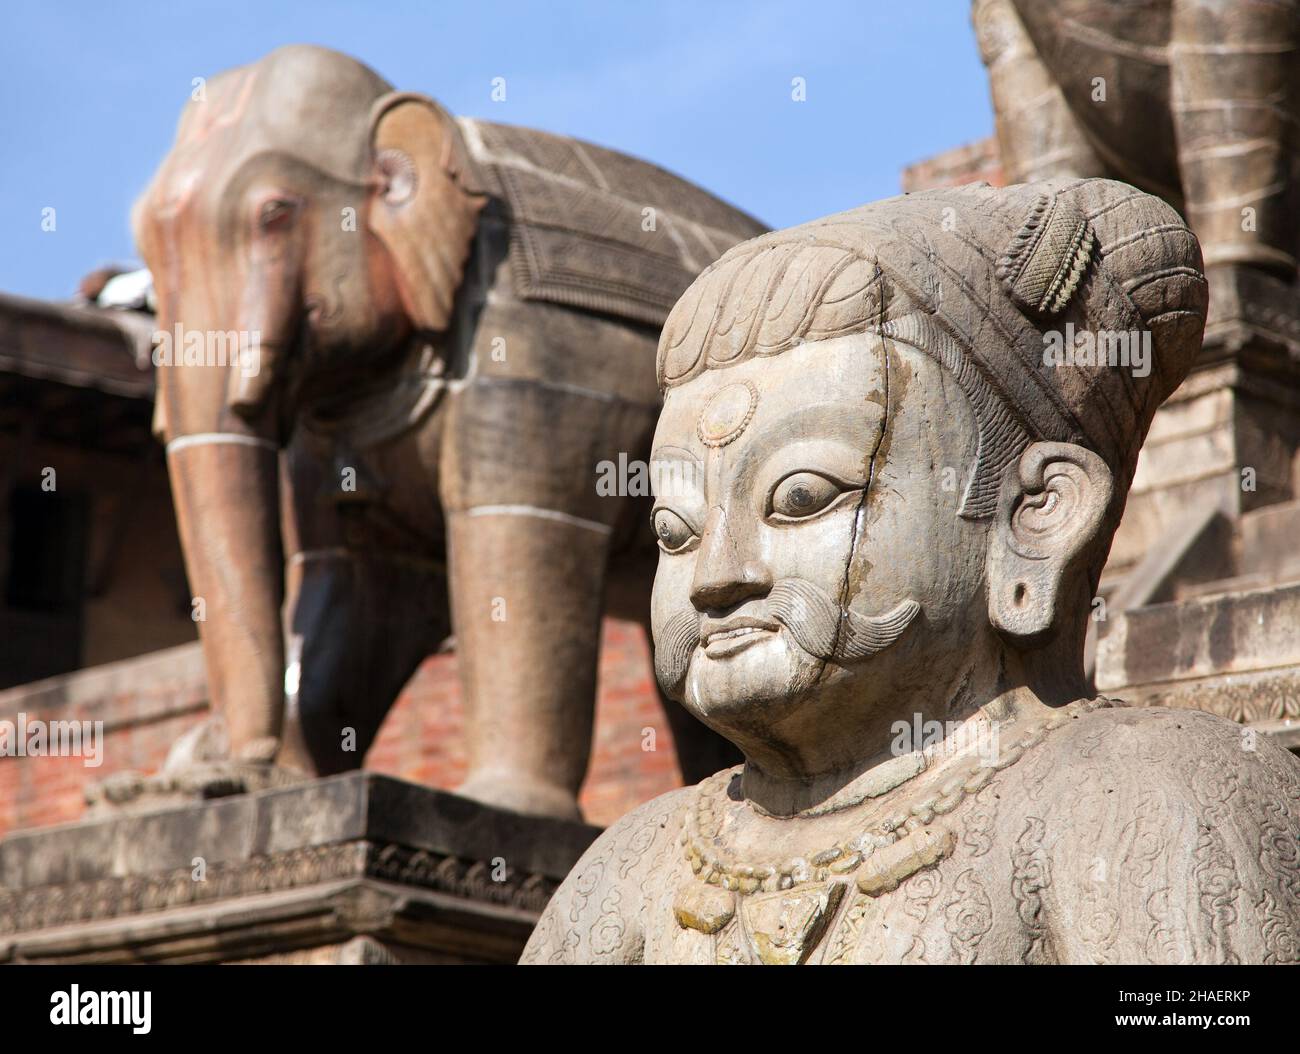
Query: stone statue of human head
{"type": "Point", "coordinates": [894, 448]}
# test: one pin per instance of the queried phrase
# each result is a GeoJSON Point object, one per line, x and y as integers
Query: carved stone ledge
{"type": "Point", "coordinates": [292, 874]}
{"type": "Point", "coordinates": [1234, 654]}
{"type": "Point", "coordinates": [1239, 632]}
{"type": "Point", "coordinates": [1268, 700]}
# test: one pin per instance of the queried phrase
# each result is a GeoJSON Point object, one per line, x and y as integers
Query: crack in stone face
{"type": "Point", "coordinates": [859, 515]}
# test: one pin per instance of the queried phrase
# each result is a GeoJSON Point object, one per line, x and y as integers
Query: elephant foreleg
{"type": "Point", "coordinates": [527, 589]}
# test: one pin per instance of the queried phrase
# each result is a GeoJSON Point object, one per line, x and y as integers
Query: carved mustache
{"type": "Point", "coordinates": [814, 619]}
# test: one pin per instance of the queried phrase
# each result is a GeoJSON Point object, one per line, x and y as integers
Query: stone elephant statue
{"type": "Point", "coordinates": [1197, 101]}
{"type": "Point", "coordinates": [396, 352]}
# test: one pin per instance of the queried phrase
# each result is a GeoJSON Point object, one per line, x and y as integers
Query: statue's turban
{"type": "Point", "coordinates": [977, 277]}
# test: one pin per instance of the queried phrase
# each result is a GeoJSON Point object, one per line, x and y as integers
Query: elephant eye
{"type": "Point", "coordinates": [803, 494]}
{"type": "Point", "coordinates": [275, 214]}
{"type": "Point", "coordinates": [674, 533]}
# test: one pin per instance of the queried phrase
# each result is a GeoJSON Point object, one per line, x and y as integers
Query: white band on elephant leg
{"type": "Point", "coordinates": [541, 514]}
{"type": "Point", "coordinates": [209, 438]}
{"type": "Point", "coordinates": [338, 552]}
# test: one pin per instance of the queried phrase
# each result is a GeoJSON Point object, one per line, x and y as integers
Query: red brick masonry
{"type": "Point", "coordinates": [147, 702]}
{"type": "Point", "coordinates": [973, 163]}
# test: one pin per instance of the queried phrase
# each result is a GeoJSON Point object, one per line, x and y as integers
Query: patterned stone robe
{"type": "Point", "coordinates": [1126, 836]}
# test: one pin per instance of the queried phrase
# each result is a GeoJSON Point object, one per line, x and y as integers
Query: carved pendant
{"type": "Point", "coordinates": [785, 927]}
{"type": "Point", "coordinates": [781, 928]}
{"type": "Point", "coordinates": [704, 908]}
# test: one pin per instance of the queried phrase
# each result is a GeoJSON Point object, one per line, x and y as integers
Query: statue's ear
{"type": "Point", "coordinates": [1052, 506]}
{"type": "Point", "coordinates": [422, 208]}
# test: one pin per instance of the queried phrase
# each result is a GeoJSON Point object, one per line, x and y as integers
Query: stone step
{"type": "Point", "coordinates": [1236, 654]}
{"type": "Point", "coordinates": [1204, 636]}
{"type": "Point", "coordinates": [1285, 574]}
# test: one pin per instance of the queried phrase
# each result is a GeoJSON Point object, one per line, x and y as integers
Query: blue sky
{"type": "Point", "coordinates": [90, 93]}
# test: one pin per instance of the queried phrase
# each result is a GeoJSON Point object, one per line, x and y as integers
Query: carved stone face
{"type": "Point", "coordinates": [795, 488]}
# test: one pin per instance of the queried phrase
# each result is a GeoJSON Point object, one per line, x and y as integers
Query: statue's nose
{"type": "Point", "coordinates": [726, 574]}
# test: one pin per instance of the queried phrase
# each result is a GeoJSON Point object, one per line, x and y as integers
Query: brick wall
{"type": "Point", "coordinates": [148, 702]}
{"type": "Point", "coordinates": [972, 163]}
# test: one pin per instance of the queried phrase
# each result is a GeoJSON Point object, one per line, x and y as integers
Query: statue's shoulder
{"type": "Point", "coordinates": [1181, 750]}
{"type": "Point", "coordinates": [1186, 760]}
{"type": "Point", "coordinates": [1175, 833]}
{"type": "Point", "coordinates": [596, 913]}
{"type": "Point", "coordinates": [636, 838]}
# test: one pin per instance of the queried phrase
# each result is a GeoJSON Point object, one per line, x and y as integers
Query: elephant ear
{"type": "Point", "coordinates": [424, 211]}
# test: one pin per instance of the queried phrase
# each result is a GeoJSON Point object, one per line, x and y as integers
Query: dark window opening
{"type": "Point", "coordinates": [43, 589]}
{"type": "Point", "coordinates": [47, 550]}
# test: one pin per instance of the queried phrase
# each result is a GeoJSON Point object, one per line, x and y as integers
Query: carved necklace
{"type": "Point", "coordinates": [789, 903]}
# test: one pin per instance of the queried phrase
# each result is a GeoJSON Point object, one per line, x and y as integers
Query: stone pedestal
{"type": "Point", "coordinates": [355, 868]}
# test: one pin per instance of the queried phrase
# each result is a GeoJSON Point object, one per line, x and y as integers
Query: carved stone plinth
{"type": "Point", "coordinates": [355, 868]}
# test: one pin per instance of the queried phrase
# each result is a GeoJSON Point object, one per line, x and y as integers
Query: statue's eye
{"type": "Point", "coordinates": [674, 533]}
{"type": "Point", "coordinates": [803, 494]}
{"type": "Point", "coordinates": [275, 214]}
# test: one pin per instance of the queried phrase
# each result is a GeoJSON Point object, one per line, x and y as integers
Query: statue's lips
{"type": "Point", "coordinates": [727, 637]}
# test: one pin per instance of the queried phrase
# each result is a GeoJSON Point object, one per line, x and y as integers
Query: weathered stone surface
{"type": "Point", "coordinates": [1196, 103]}
{"type": "Point", "coordinates": [1270, 541]}
{"type": "Point", "coordinates": [1215, 626]}
{"type": "Point", "coordinates": [883, 513]}
{"type": "Point", "coordinates": [331, 869]}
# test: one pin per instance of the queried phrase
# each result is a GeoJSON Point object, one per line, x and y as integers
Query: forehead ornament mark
{"type": "Point", "coordinates": [727, 413]}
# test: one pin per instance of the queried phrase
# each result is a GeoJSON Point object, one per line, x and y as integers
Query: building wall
{"type": "Point", "coordinates": [134, 597]}
{"type": "Point", "coordinates": [973, 163]}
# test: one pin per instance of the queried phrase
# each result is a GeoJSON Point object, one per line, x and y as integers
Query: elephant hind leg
{"type": "Point", "coordinates": [356, 630]}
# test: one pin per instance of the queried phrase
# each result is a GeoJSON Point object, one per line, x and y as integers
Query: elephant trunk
{"type": "Point", "coordinates": [222, 419]}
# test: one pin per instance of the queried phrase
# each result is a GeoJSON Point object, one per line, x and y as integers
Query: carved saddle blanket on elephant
{"type": "Point", "coordinates": [589, 228]}
{"type": "Point", "coordinates": [595, 229]}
